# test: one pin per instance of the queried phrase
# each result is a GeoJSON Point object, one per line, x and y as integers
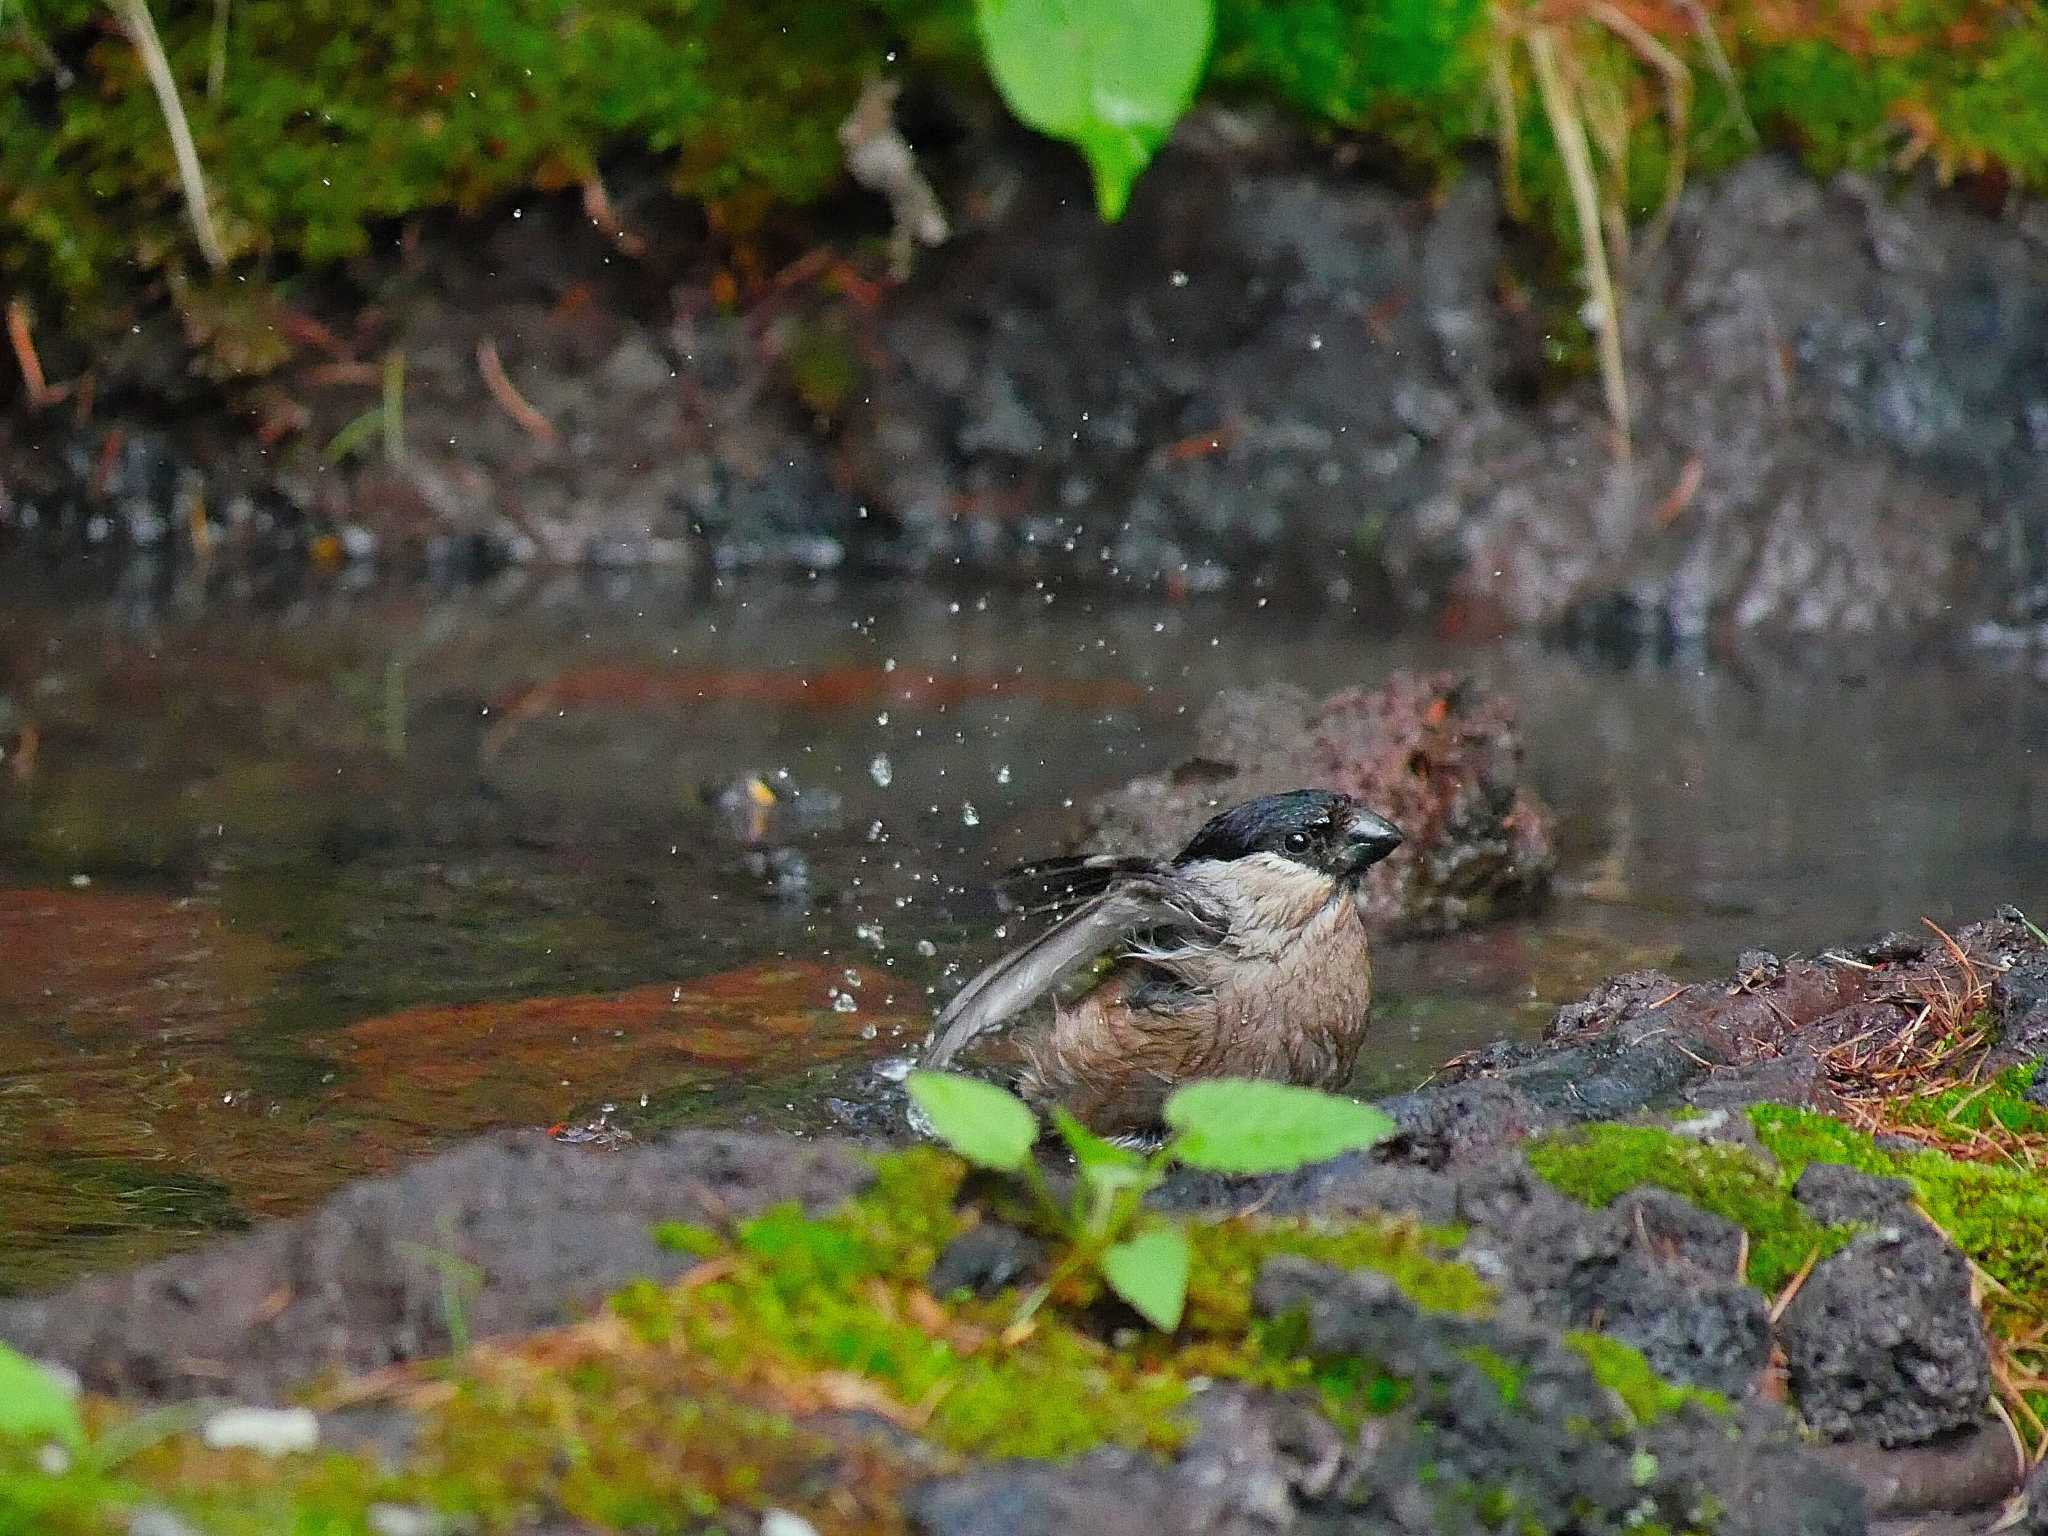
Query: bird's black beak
{"type": "Point", "coordinates": [1369, 838]}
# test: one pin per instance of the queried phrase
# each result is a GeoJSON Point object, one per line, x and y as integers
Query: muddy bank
{"type": "Point", "coordinates": [1703, 1216]}
{"type": "Point", "coordinates": [1273, 373]}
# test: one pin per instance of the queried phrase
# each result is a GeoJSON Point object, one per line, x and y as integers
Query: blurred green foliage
{"type": "Point", "coordinates": [334, 116]}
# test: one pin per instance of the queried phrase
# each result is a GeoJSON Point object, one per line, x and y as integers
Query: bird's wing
{"type": "Point", "coordinates": [1058, 887]}
{"type": "Point", "coordinates": [1152, 913]}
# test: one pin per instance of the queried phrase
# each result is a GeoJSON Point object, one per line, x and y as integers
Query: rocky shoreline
{"type": "Point", "coordinates": [1272, 374]}
{"type": "Point", "coordinates": [1760, 1254]}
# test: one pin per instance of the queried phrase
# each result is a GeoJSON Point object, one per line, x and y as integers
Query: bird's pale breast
{"type": "Point", "coordinates": [1291, 1002]}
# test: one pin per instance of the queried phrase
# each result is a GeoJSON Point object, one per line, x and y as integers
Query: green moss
{"type": "Point", "coordinates": [1410, 71]}
{"type": "Point", "coordinates": [1999, 1105]}
{"type": "Point", "coordinates": [1627, 1374]}
{"type": "Point", "coordinates": [333, 119]}
{"type": "Point", "coordinates": [682, 1403]}
{"type": "Point", "coordinates": [845, 1294]}
{"type": "Point", "coordinates": [1996, 1214]}
{"type": "Point", "coordinates": [1227, 1256]}
{"type": "Point", "coordinates": [1503, 1373]}
{"type": "Point", "coordinates": [1602, 1162]}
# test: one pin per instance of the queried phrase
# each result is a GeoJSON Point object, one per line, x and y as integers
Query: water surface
{"type": "Point", "coordinates": [294, 888]}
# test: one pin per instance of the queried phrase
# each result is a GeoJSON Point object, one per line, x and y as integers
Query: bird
{"type": "Point", "coordinates": [1245, 955]}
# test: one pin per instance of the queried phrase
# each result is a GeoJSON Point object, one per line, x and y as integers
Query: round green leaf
{"type": "Point", "coordinates": [1110, 77]}
{"type": "Point", "coordinates": [1242, 1125]}
{"type": "Point", "coordinates": [35, 1405]}
{"type": "Point", "coordinates": [981, 1122]}
{"type": "Point", "coordinates": [1150, 1271]}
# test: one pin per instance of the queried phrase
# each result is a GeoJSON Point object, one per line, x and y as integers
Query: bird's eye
{"type": "Point", "coordinates": [1297, 842]}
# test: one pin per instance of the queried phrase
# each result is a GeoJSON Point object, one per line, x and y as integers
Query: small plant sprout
{"type": "Point", "coordinates": [1224, 1125]}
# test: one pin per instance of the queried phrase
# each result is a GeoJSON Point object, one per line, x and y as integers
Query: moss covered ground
{"type": "Point", "coordinates": [677, 1406]}
{"type": "Point", "coordinates": [1976, 1180]}
{"type": "Point", "coordinates": [320, 123]}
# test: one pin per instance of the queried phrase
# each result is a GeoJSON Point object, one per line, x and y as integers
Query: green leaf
{"type": "Point", "coordinates": [1242, 1125]}
{"type": "Point", "coordinates": [1150, 1271]}
{"type": "Point", "coordinates": [981, 1122]}
{"type": "Point", "coordinates": [1110, 77]}
{"type": "Point", "coordinates": [34, 1405]}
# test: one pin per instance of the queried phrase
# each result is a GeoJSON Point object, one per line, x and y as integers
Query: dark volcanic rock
{"type": "Point", "coordinates": [1433, 754]}
{"type": "Point", "coordinates": [1507, 1409]}
{"type": "Point", "coordinates": [359, 1283]}
{"type": "Point", "coordinates": [1832, 1193]}
{"type": "Point", "coordinates": [1455, 1125]}
{"type": "Point", "coordinates": [1652, 1270]}
{"type": "Point", "coordinates": [1105, 1493]}
{"type": "Point", "coordinates": [2019, 1007]}
{"type": "Point", "coordinates": [984, 1259]}
{"type": "Point", "coordinates": [2036, 1494]}
{"type": "Point", "coordinates": [1692, 1328]}
{"type": "Point", "coordinates": [1883, 1342]}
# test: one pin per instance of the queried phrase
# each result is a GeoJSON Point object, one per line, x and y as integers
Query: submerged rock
{"type": "Point", "coordinates": [1433, 753]}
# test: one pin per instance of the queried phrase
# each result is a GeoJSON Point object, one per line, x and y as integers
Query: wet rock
{"type": "Point", "coordinates": [1837, 408]}
{"type": "Point", "coordinates": [984, 1259]}
{"type": "Point", "coordinates": [1361, 1313]}
{"type": "Point", "coordinates": [549, 1229]}
{"type": "Point", "coordinates": [1614, 1076]}
{"type": "Point", "coordinates": [1652, 1270]}
{"type": "Point", "coordinates": [1973, 1469]}
{"type": "Point", "coordinates": [1670, 1230]}
{"type": "Point", "coordinates": [1795, 1076]}
{"type": "Point", "coordinates": [1433, 754]}
{"type": "Point", "coordinates": [1460, 1124]}
{"type": "Point", "coordinates": [1692, 1328]}
{"type": "Point", "coordinates": [1616, 1001]}
{"type": "Point", "coordinates": [1890, 948]}
{"type": "Point", "coordinates": [1105, 1493]}
{"type": "Point", "coordinates": [1505, 1407]}
{"type": "Point", "coordinates": [2019, 1008]}
{"type": "Point", "coordinates": [1883, 1343]}
{"type": "Point", "coordinates": [1353, 1185]}
{"type": "Point", "coordinates": [1834, 1194]}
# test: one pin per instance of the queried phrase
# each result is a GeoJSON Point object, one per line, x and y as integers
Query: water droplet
{"type": "Point", "coordinates": [1315, 341]}
{"type": "Point", "coordinates": [882, 718]}
{"type": "Point", "coordinates": [927, 948]}
{"type": "Point", "coordinates": [845, 1003]}
{"type": "Point", "coordinates": [868, 1031]}
{"type": "Point", "coordinates": [1180, 279]}
{"type": "Point", "coordinates": [881, 770]}
{"type": "Point", "coordinates": [969, 816]}
{"type": "Point", "coordinates": [1003, 774]}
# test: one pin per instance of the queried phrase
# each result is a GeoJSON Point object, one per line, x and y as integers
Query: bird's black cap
{"type": "Point", "coordinates": [1313, 826]}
